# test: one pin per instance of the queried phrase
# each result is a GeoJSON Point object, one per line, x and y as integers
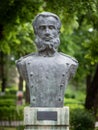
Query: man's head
{"type": "Point", "coordinates": [47, 28]}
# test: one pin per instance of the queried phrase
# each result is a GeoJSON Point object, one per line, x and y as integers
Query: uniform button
{"type": "Point", "coordinates": [67, 63]}
{"type": "Point", "coordinates": [33, 99]}
{"type": "Point", "coordinates": [28, 63]}
{"type": "Point", "coordinates": [31, 74]}
{"type": "Point", "coordinates": [60, 99]}
{"type": "Point", "coordinates": [63, 74]}
{"type": "Point", "coordinates": [32, 86]}
{"type": "Point", "coordinates": [61, 85]}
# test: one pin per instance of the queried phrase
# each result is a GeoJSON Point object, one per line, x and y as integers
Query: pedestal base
{"type": "Point", "coordinates": [37, 118]}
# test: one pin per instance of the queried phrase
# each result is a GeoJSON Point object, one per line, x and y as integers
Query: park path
{"type": "Point", "coordinates": [18, 123]}
{"type": "Point", "coordinates": [11, 123]}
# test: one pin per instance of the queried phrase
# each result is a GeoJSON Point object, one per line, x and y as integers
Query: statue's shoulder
{"type": "Point", "coordinates": [21, 64]}
{"type": "Point", "coordinates": [25, 58]}
{"type": "Point", "coordinates": [69, 58]}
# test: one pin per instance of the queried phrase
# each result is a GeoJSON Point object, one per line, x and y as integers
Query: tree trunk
{"type": "Point", "coordinates": [3, 84]}
{"type": "Point", "coordinates": [1, 31]}
{"type": "Point", "coordinates": [3, 74]}
{"type": "Point", "coordinates": [96, 106]}
{"type": "Point", "coordinates": [92, 92]}
{"type": "Point", "coordinates": [88, 92]}
{"type": "Point", "coordinates": [95, 86]}
{"type": "Point", "coordinates": [20, 84]}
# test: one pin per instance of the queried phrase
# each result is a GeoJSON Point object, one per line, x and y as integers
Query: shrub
{"type": "Point", "coordinates": [20, 128]}
{"type": "Point", "coordinates": [82, 120]}
{"type": "Point", "coordinates": [8, 96]}
{"type": "Point", "coordinates": [73, 103]}
{"type": "Point", "coordinates": [11, 113]}
{"type": "Point", "coordinates": [67, 95]}
{"type": "Point", "coordinates": [7, 102]}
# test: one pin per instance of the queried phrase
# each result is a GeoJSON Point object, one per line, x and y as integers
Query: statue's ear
{"type": "Point", "coordinates": [59, 32]}
{"type": "Point", "coordinates": [34, 29]}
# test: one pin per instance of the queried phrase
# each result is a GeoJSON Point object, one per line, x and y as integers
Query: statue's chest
{"type": "Point", "coordinates": [46, 70]}
{"type": "Point", "coordinates": [47, 79]}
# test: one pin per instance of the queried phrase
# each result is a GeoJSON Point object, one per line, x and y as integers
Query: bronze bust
{"type": "Point", "coordinates": [47, 71]}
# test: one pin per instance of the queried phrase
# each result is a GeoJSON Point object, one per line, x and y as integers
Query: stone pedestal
{"type": "Point", "coordinates": [38, 118]}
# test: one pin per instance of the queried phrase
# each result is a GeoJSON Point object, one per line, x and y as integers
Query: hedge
{"type": "Point", "coordinates": [7, 102]}
{"type": "Point", "coordinates": [11, 113]}
{"type": "Point", "coordinates": [81, 119]}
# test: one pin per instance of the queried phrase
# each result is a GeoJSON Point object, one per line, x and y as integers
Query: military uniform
{"type": "Point", "coordinates": [47, 77]}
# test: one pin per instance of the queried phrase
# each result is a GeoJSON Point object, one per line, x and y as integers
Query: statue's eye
{"type": "Point", "coordinates": [51, 27]}
{"type": "Point", "coordinates": [42, 27]}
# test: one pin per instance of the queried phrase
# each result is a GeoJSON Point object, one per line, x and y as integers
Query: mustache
{"type": "Point", "coordinates": [48, 38]}
{"type": "Point", "coordinates": [46, 46]}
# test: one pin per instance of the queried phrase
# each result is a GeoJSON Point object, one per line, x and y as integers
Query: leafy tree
{"type": "Point", "coordinates": [80, 22]}
{"type": "Point", "coordinates": [13, 35]}
{"type": "Point", "coordinates": [79, 34]}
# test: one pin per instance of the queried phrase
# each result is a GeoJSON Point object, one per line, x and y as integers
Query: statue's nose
{"type": "Point", "coordinates": [47, 33]}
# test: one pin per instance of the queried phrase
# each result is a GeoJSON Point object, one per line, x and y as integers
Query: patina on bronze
{"type": "Point", "coordinates": [47, 71]}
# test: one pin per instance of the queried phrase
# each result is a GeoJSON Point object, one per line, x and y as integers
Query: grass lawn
{"type": "Point", "coordinates": [7, 128]}
{"type": "Point", "coordinates": [12, 128]}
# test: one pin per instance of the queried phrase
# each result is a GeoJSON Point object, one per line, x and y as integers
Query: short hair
{"type": "Point", "coordinates": [46, 14]}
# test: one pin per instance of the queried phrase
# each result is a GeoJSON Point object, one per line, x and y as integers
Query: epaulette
{"type": "Point", "coordinates": [24, 57]}
{"type": "Point", "coordinates": [72, 58]}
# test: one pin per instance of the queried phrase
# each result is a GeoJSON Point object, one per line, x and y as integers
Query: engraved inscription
{"type": "Point", "coordinates": [47, 115]}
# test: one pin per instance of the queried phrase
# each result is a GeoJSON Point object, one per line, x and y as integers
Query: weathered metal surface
{"type": "Point", "coordinates": [47, 72]}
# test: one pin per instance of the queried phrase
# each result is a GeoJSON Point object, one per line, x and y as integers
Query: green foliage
{"type": "Point", "coordinates": [19, 41]}
{"type": "Point", "coordinates": [11, 113]}
{"type": "Point", "coordinates": [7, 97]}
{"type": "Point", "coordinates": [73, 103]}
{"type": "Point", "coordinates": [92, 48]}
{"type": "Point", "coordinates": [74, 15]}
{"type": "Point", "coordinates": [74, 93]}
{"type": "Point", "coordinates": [7, 102]}
{"type": "Point", "coordinates": [72, 12]}
{"type": "Point", "coordinates": [82, 120]}
{"type": "Point", "coordinates": [7, 128]}
{"type": "Point", "coordinates": [20, 128]}
{"type": "Point", "coordinates": [79, 33]}
{"type": "Point", "coordinates": [74, 98]}
{"type": "Point", "coordinates": [10, 10]}
{"type": "Point", "coordinates": [24, 44]}
{"type": "Point", "coordinates": [15, 33]}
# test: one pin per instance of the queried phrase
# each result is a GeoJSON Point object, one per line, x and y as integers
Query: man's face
{"type": "Point", "coordinates": [47, 28]}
